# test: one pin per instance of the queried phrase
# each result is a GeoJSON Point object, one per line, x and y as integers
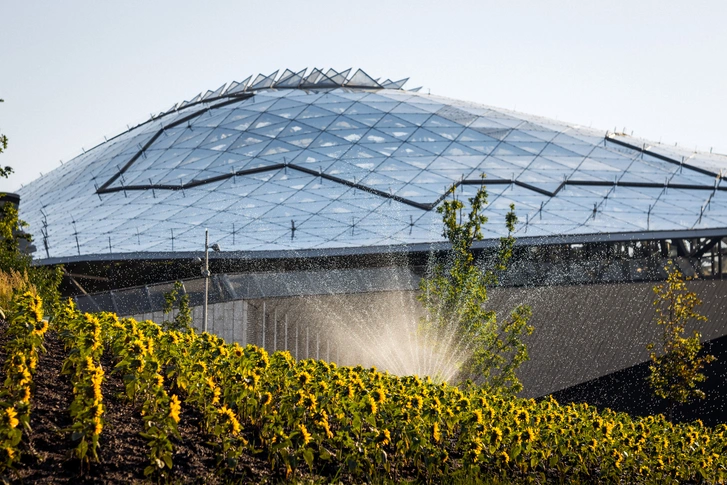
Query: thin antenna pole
{"type": "Point", "coordinates": [206, 271]}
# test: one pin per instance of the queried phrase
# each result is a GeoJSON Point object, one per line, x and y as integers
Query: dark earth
{"type": "Point", "coordinates": [47, 449]}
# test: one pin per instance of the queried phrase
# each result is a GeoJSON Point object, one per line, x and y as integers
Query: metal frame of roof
{"type": "Point", "coordinates": [562, 178]}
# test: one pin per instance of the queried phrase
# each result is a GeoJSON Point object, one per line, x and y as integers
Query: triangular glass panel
{"type": "Point", "coordinates": [383, 106]}
{"type": "Point", "coordinates": [386, 149]}
{"type": "Point", "coordinates": [325, 82]}
{"type": "Point", "coordinates": [328, 140]}
{"type": "Point", "coordinates": [288, 113]}
{"type": "Point", "coordinates": [361, 152]}
{"type": "Point", "coordinates": [363, 80]}
{"type": "Point", "coordinates": [220, 134]}
{"type": "Point", "coordinates": [362, 109]}
{"type": "Point", "coordinates": [414, 119]}
{"type": "Point", "coordinates": [424, 135]}
{"type": "Point", "coordinates": [172, 108]}
{"type": "Point", "coordinates": [239, 87]}
{"type": "Point", "coordinates": [194, 163]}
{"type": "Point", "coordinates": [267, 119]}
{"type": "Point", "coordinates": [401, 133]}
{"type": "Point", "coordinates": [391, 121]}
{"type": "Point", "coordinates": [447, 133]}
{"type": "Point", "coordinates": [211, 119]}
{"type": "Point", "coordinates": [453, 163]}
{"type": "Point", "coordinates": [278, 147]}
{"type": "Point", "coordinates": [376, 136]}
{"type": "Point", "coordinates": [334, 151]}
{"type": "Point", "coordinates": [434, 147]}
{"type": "Point", "coordinates": [344, 123]}
{"type": "Point", "coordinates": [409, 108]}
{"type": "Point", "coordinates": [296, 128]}
{"type": "Point", "coordinates": [270, 131]}
{"type": "Point", "coordinates": [292, 80]}
{"type": "Point", "coordinates": [215, 93]}
{"type": "Point", "coordinates": [248, 139]}
{"type": "Point", "coordinates": [352, 136]}
{"type": "Point", "coordinates": [221, 144]}
{"type": "Point", "coordinates": [320, 123]}
{"type": "Point", "coordinates": [415, 90]}
{"type": "Point", "coordinates": [395, 84]}
{"type": "Point", "coordinates": [313, 112]}
{"type": "Point", "coordinates": [308, 158]}
{"type": "Point", "coordinates": [452, 174]}
{"type": "Point", "coordinates": [288, 102]}
{"type": "Point", "coordinates": [193, 141]}
{"type": "Point", "coordinates": [301, 141]}
{"type": "Point", "coordinates": [338, 77]}
{"type": "Point", "coordinates": [505, 149]}
{"type": "Point", "coordinates": [456, 115]}
{"type": "Point", "coordinates": [312, 77]}
{"type": "Point", "coordinates": [264, 82]}
{"type": "Point", "coordinates": [409, 150]}
{"type": "Point", "coordinates": [553, 150]}
{"type": "Point", "coordinates": [404, 176]}
{"type": "Point", "coordinates": [368, 120]}
{"type": "Point", "coordinates": [485, 147]}
{"type": "Point", "coordinates": [249, 150]}
{"type": "Point", "coordinates": [436, 121]}
{"type": "Point", "coordinates": [457, 149]}
{"type": "Point", "coordinates": [337, 108]}
{"type": "Point", "coordinates": [517, 136]}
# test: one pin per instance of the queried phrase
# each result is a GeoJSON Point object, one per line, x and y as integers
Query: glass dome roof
{"type": "Point", "coordinates": [337, 162]}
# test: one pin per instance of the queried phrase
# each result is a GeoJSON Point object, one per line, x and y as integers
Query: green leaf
{"type": "Point", "coordinates": [167, 457]}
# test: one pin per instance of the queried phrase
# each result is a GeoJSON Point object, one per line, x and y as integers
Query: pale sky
{"type": "Point", "coordinates": [73, 72]}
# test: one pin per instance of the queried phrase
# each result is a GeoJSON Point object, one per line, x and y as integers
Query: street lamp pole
{"type": "Point", "coordinates": [206, 273]}
{"type": "Point", "coordinates": [206, 270]}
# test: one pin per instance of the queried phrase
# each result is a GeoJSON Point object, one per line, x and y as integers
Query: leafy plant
{"type": "Point", "coordinates": [182, 321]}
{"type": "Point", "coordinates": [26, 333]}
{"type": "Point", "coordinates": [675, 371]}
{"type": "Point", "coordinates": [454, 294]}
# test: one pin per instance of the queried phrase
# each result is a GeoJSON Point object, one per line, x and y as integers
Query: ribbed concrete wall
{"type": "Point", "coordinates": [228, 320]}
{"type": "Point", "coordinates": [581, 331]}
{"type": "Point", "coordinates": [584, 332]}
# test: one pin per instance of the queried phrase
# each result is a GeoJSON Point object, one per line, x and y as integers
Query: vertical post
{"type": "Point", "coordinates": [206, 274]}
{"type": "Point", "coordinates": [328, 350]}
{"type": "Point", "coordinates": [275, 329]}
{"type": "Point", "coordinates": [297, 324]}
{"type": "Point", "coordinates": [318, 345]}
{"type": "Point", "coordinates": [286, 331]}
{"type": "Point", "coordinates": [307, 342]}
{"type": "Point", "coordinates": [262, 344]}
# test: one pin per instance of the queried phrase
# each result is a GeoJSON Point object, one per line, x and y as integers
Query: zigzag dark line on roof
{"type": "Point", "coordinates": [404, 200]}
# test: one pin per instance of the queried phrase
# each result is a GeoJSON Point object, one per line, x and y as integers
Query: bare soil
{"type": "Point", "coordinates": [47, 449]}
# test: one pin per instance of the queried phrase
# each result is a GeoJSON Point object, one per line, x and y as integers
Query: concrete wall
{"type": "Point", "coordinates": [582, 332]}
{"type": "Point", "coordinates": [228, 320]}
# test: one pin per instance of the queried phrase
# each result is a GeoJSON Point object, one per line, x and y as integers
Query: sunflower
{"type": "Point", "coordinates": [305, 435]}
{"type": "Point", "coordinates": [174, 408]}
{"type": "Point", "coordinates": [369, 405]}
{"type": "Point", "coordinates": [384, 437]}
{"type": "Point", "coordinates": [12, 417]}
{"type": "Point", "coordinates": [231, 419]}
{"type": "Point", "coordinates": [97, 426]}
{"type": "Point", "coordinates": [436, 434]}
{"type": "Point", "coordinates": [379, 395]}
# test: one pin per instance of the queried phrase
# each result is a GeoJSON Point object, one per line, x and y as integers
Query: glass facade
{"type": "Point", "coordinates": [329, 161]}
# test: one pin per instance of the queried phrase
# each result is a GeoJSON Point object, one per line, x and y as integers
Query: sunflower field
{"type": "Point", "coordinates": [311, 418]}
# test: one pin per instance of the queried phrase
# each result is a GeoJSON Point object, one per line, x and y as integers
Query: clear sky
{"type": "Point", "coordinates": [72, 72]}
